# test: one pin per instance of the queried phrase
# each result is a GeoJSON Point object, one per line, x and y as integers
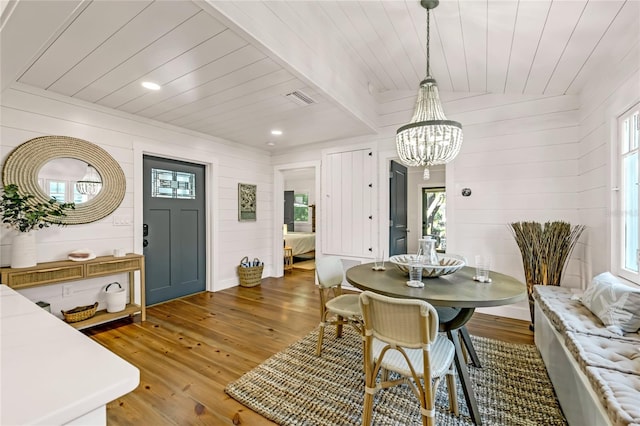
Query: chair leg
{"type": "Point", "coordinates": [367, 410]}
{"type": "Point", "coordinates": [339, 327]}
{"type": "Point", "coordinates": [320, 338]}
{"type": "Point", "coordinates": [453, 396]}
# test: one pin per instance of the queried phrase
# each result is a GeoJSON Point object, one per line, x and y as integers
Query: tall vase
{"type": "Point", "coordinates": [23, 251]}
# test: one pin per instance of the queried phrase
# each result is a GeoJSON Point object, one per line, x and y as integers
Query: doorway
{"type": "Point", "coordinates": [300, 178]}
{"type": "Point", "coordinates": [397, 209]}
{"type": "Point", "coordinates": [174, 230]}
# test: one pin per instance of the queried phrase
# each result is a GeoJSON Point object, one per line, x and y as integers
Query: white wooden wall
{"type": "Point", "coordinates": [27, 113]}
{"type": "Point", "coordinates": [606, 96]}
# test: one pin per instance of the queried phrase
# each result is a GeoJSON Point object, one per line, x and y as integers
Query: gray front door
{"type": "Point", "coordinates": [397, 209]}
{"type": "Point", "coordinates": [174, 228]}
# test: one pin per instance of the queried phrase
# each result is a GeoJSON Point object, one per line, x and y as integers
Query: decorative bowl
{"type": "Point", "coordinates": [448, 265]}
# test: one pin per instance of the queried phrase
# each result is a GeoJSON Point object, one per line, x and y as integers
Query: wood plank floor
{"type": "Point", "coordinates": [190, 348]}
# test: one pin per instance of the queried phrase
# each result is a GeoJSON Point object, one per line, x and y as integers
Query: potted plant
{"type": "Point", "coordinates": [545, 251]}
{"type": "Point", "coordinates": [23, 214]}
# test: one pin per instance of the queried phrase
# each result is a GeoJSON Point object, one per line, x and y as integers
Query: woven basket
{"type": "Point", "coordinates": [80, 313]}
{"type": "Point", "coordinates": [249, 276]}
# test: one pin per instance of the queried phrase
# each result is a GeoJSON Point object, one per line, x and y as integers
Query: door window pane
{"type": "Point", "coordinates": [172, 184]}
{"type": "Point", "coordinates": [434, 218]}
{"type": "Point", "coordinates": [301, 207]}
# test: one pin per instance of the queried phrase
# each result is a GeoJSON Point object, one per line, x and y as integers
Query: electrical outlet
{"type": "Point", "coordinates": [67, 290]}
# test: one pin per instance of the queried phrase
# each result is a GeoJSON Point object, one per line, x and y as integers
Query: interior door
{"type": "Point", "coordinates": [397, 209]}
{"type": "Point", "coordinates": [288, 210]}
{"type": "Point", "coordinates": [174, 228]}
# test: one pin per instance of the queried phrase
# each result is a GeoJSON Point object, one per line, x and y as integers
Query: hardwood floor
{"type": "Point", "coordinates": [190, 348]}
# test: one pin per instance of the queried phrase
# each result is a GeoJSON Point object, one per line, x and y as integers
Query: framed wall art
{"type": "Point", "coordinates": [246, 202]}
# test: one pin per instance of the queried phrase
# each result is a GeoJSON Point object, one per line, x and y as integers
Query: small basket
{"type": "Point", "coordinates": [80, 313]}
{"type": "Point", "coordinates": [250, 276]}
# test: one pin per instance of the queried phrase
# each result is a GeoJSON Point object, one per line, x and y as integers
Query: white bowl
{"type": "Point", "coordinates": [448, 265]}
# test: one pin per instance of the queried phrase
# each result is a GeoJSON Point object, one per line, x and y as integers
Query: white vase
{"type": "Point", "coordinates": [23, 251]}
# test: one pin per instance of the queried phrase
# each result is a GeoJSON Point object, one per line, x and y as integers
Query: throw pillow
{"type": "Point", "coordinates": [617, 305]}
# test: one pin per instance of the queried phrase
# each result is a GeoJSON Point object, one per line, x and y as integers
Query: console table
{"type": "Point", "coordinates": [48, 273]}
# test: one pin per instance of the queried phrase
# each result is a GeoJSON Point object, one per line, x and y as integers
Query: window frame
{"type": "Point", "coordinates": [618, 238]}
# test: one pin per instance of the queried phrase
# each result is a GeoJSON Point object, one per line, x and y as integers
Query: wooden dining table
{"type": "Point", "coordinates": [455, 297]}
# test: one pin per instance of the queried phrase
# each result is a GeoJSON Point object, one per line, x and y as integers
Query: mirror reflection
{"type": "Point", "coordinates": [69, 180]}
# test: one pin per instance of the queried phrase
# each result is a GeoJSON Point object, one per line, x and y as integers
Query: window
{"type": "Point", "coordinates": [301, 207]}
{"type": "Point", "coordinates": [628, 232]}
{"type": "Point", "coordinates": [434, 219]}
{"type": "Point", "coordinates": [172, 184]}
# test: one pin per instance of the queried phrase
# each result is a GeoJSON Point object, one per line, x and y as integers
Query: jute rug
{"type": "Point", "coordinates": [307, 265]}
{"type": "Point", "coordinates": [294, 387]}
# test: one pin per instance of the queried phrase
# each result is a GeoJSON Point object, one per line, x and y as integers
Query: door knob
{"type": "Point", "coordinates": [145, 243]}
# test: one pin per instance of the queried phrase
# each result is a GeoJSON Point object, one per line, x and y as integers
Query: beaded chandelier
{"type": "Point", "coordinates": [429, 138]}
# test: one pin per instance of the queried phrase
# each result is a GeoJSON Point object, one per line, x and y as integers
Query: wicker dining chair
{"type": "Point", "coordinates": [401, 336]}
{"type": "Point", "coordinates": [336, 308]}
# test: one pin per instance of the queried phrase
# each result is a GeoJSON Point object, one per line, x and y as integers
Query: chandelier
{"type": "Point", "coordinates": [429, 138]}
{"type": "Point", "coordinates": [91, 183]}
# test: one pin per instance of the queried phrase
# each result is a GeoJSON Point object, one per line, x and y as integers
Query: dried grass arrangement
{"type": "Point", "coordinates": [545, 250]}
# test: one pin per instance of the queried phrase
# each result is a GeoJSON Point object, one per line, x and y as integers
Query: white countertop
{"type": "Point", "coordinates": [50, 372]}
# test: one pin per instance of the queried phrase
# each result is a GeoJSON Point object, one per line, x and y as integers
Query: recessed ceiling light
{"type": "Point", "coordinates": [270, 143]}
{"type": "Point", "coordinates": [276, 132]}
{"type": "Point", "coordinates": [151, 86]}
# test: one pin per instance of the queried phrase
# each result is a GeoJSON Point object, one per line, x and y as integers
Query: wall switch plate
{"type": "Point", "coordinates": [67, 290]}
{"type": "Point", "coordinates": [122, 221]}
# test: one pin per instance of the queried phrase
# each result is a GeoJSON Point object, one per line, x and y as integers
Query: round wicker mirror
{"type": "Point", "coordinates": [24, 163]}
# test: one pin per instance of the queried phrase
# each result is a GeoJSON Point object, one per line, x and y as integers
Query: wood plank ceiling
{"type": "Point", "coordinates": [218, 79]}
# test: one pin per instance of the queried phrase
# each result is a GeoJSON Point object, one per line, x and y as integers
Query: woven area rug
{"type": "Point", "coordinates": [307, 265]}
{"type": "Point", "coordinates": [294, 387]}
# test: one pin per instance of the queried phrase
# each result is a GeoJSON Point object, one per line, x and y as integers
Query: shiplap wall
{"type": "Point", "coordinates": [29, 113]}
{"type": "Point", "coordinates": [606, 96]}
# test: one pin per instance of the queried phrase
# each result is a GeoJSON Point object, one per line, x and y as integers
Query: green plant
{"type": "Point", "coordinates": [545, 251]}
{"type": "Point", "coordinates": [23, 213]}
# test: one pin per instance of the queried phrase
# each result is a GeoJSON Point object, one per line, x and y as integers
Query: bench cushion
{"type": "Point", "coordinates": [618, 393]}
{"type": "Point", "coordinates": [613, 354]}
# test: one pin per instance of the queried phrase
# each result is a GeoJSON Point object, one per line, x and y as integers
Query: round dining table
{"type": "Point", "coordinates": [455, 297]}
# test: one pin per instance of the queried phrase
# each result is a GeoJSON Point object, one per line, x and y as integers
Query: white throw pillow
{"type": "Point", "coordinates": [615, 303]}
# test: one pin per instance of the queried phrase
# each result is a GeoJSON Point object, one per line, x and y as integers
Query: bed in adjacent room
{"type": "Point", "coordinates": [300, 242]}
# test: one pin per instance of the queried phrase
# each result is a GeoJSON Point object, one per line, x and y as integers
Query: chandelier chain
{"type": "Point", "coordinates": [428, 39]}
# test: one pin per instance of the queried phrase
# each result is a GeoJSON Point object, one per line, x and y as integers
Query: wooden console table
{"type": "Point", "coordinates": [68, 270]}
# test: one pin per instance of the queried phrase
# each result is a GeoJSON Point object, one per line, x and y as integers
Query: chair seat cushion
{"type": "Point", "coordinates": [346, 305]}
{"type": "Point", "coordinates": [442, 352]}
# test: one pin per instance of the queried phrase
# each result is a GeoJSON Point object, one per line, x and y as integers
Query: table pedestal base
{"type": "Point", "coordinates": [452, 322]}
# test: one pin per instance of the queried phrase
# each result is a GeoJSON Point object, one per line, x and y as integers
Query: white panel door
{"type": "Point", "coordinates": [348, 178]}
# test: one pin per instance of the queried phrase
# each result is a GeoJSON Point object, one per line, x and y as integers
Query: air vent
{"type": "Point", "coordinates": [300, 98]}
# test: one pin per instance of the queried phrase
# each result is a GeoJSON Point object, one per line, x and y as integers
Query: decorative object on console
{"type": "Point", "coordinates": [80, 313]}
{"type": "Point", "coordinates": [116, 297]}
{"type": "Point", "coordinates": [81, 254]}
{"type": "Point", "coordinates": [23, 213]}
{"type": "Point", "coordinates": [429, 138]}
{"type": "Point", "coordinates": [545, 251]}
